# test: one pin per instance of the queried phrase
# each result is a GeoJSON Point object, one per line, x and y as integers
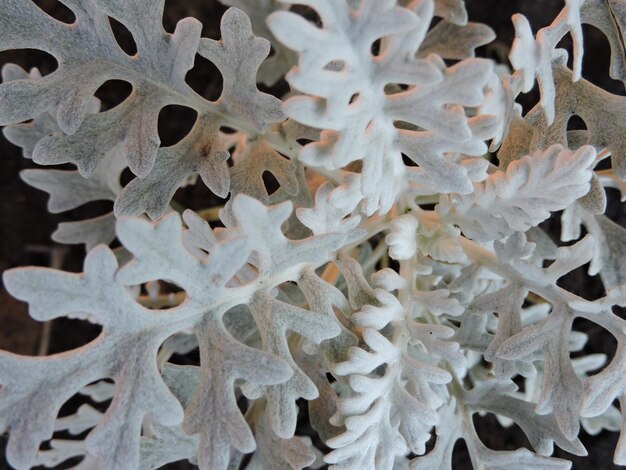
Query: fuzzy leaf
{"type": "Point", "coordinates": [357, 116]}
{"type": "Point", "coordinates": [524, 195]}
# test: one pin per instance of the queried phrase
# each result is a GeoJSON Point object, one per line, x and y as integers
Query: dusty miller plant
{"type": "Point", "coordinates": [395, 283]}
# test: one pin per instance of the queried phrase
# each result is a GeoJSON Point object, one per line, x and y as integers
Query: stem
{"type": "Point", "coordinates": [552, 293]}
{"type": "Point", "coordinates": [211, 214]}
{"type": "Point", "coordinates": [377, 254]}
{"type": "Point", "coordinates": [57, 254]}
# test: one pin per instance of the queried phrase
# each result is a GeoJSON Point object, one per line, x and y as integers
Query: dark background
{"type": "Point", "coordinates": [26, 225]}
